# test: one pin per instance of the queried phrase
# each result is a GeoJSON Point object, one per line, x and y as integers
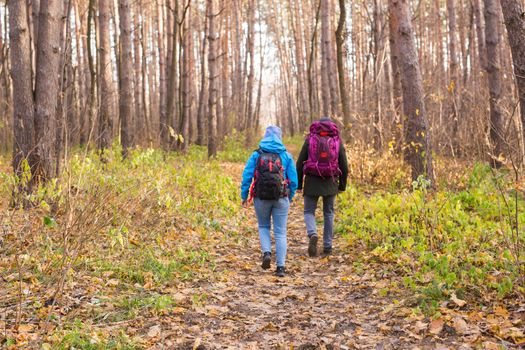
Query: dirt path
{"type": "Point", "coordinates": [321, 303]}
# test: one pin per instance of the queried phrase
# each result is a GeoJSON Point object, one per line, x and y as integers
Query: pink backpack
{"type": "Point", "coordinates": [323, 150]}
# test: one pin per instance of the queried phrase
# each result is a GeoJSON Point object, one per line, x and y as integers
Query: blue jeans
{"type": "Point", "coordinates": [266, 210]}
{"type": "Point", "coordinates": [310, 205]}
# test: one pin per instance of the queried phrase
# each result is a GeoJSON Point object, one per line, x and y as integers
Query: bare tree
{"type": "Point", "coordinates": [139, 122]}
{"type": "Point", "coordinates": [492, 37]}
{"type": "Point", "coordinates": [514, 14]}
{"type": "Point", "coordinates": [452, 85]}
{"type": "Point", "coordinates": [325, 53]}
{"type": "Point", "coordinates": [172, 78]}
{"type": "Point", "coordinates": [163, 116]}
{"type": "Point", "coordinates": [47, 86]}
{"type": "Point", "coordinates": [340, 38]}
{"type": "Point", "coordinates": [23, 104]}
{"type": "Point", "coordinates": [418, 152]}
{"type": "Point", "coordinates": [106, 79]}
{"type": "Point", "coordinates": [126, 104]}
{"type": "Point", "coordinates": [201, 120]}
{"type": "Point", "coordinates": [212, 76]}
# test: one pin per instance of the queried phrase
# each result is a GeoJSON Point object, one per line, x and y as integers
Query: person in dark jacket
{"type": "Point", "coordinates": [325, 187]}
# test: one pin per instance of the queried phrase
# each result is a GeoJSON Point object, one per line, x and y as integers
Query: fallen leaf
{"type": "Point", "coordinates": [457, 301]}
{"type": "Point", "coordinates": [436, 326]}
{"type": "Point", "coordinates": [154, 331]}
{"type": "Point", "coordinates": [25, 328]}
{"type": "Point", "coordinates": [488, 345]}
{"type": "Point", "coordinates": [460, 325]}
{"type": "Point", "coordinates": [420, 326]}
{"type": "Point", "coordinates": [178, 310]}
{"type": "Point", "coordinates": [501, 311]}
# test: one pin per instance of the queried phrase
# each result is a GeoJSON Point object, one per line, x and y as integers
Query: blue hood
{"type": "Point", "coordinates": [272, 141]}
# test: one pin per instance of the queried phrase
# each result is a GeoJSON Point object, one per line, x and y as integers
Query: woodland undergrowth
{"type": "Point", "coordinates": [117, 238]}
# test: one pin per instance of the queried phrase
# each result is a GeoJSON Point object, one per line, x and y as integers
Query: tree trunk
{"type": "Point", "coordinates": [492, 37]}
{"type": "Point", "coordinates": [378, 70]}
{"type": "Point", "coordinates": [137, 63]}
{"type": "Point", "coordinates": [126, 103]}
{"type": "Point", "coordinates": [304, 109]}
{"type": "Point", "coordinates": [452, 85]}
{"type": "Point", "coordinates": [312, 63]}
{"type": "Point", "coordinates": [514, 14]}
{"type": "Point", "coordinates": [105, 77]}
{"type": "Point", "coordinates": [250, 49]}
{"type": "Point", "coordinates": [92, 73]}
{"type": "Point", "coordinates": [163, 118]}
{"type": "Point", "coordinates": [47, 86]}
{"type": "Point", "coordinates": [397, 97]}
{"type": "Point", "coordinates": [325, 52]}
{"type": "Point", "coordinates": [212, 68]}
{"type": "Point", "coordinates": [23, 104]}
{"type": "Point", "coordinates": [340, 38]}
{"type": "Point", "coordinates": [201, 119]}
{"type": "Point", "coordinates": [480, 30]}
{"type": "Point", "coordinates": [186, 79]}
{"type": "Point", "coordinates": [172, 81]}
{"type": "Point", "coordinates": [418, 152]}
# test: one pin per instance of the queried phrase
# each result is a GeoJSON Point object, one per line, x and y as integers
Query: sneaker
{"type": "Point", "coordinates": [327, 252]}
{"type": "Point", "coordinates": [266, 260]}
{"type": "Point", "coordinates": [280, 271]}
{"type": "Point", "coordinates": [312, 245]}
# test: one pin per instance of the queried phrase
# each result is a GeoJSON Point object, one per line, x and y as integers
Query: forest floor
{"type": "Point", "coordinates": [188, 276]}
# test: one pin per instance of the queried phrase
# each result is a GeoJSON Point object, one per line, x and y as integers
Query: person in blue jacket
{"type": "Point", "coordinates": [258, 181]}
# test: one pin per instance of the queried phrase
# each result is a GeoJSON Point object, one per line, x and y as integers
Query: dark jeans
{"type": "Point", "coordinates": [310, 205]}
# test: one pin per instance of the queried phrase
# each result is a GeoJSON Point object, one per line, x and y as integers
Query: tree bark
{"type": "Point", "coordinates": [172, 81]}
{"type": "Point", "coordinates": [186, 79]}
{"type": "Point", "coordinates": [126, 103]}
{"type": "Point", "coordinates": [480, 30]}
{"type": "Point", "coordinates": [201, 119]}
{"type": "Point", "coordinates": [378, 69]}
{"type": "Point", "coordinates": [139, 122]}
{"type": "Point", "coordinates": [47, 86]}
{"type": "Point", "coordinates": [163, 118]}
{"type": "Point", "coordinates": [452, 85]}
{"type": "Point", "coordinates": [212, 76]}
{"type": "Point", "coordinates": [90, 120]}
{"type": "Point", "coordinates": [22, 82]}
{"type": "Point", "coordinates": [325, 52]}
{"type": "Point", "coordinates": [250, 49]}
{"type": "Point", "coordinates": [418, 152]}
{"type": "Point", "coordinates": [514, 14]}
{"type": "Point", "coordinates": [340, 37]}
{"type": "Point", "coordinates": [105, 77]}
{"type": "Point", "coordinates": [397, 95]}
{"type": "Point", "coordinates": [304, 109]}
{"type": "Point", "coordinates": [492, 37]}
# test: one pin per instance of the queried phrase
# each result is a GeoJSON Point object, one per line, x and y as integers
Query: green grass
{"type": "Point", "coordinates": [81, 336]}
{"type": "Point", "coordinates": [444, 241]}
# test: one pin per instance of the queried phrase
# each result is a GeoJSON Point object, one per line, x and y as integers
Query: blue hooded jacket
{"type": "Point", "coordinates": [272, 143]}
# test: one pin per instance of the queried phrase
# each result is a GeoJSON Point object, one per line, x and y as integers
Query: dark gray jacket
{"type": "Point", "coordinates": [318, 186]}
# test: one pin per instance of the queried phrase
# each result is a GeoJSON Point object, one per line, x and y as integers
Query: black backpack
{"type": "Point", "coordinates": [269, 177]}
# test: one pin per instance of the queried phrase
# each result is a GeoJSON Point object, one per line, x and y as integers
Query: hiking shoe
{"type": "Point", "coordinates": [312, 245]}
{"type": "Point", "coordinates": [280, 271]}
{"type": "Point", "coordinates": [266, 260]}
{"type": "Point", "coordinates": [327, 252]}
